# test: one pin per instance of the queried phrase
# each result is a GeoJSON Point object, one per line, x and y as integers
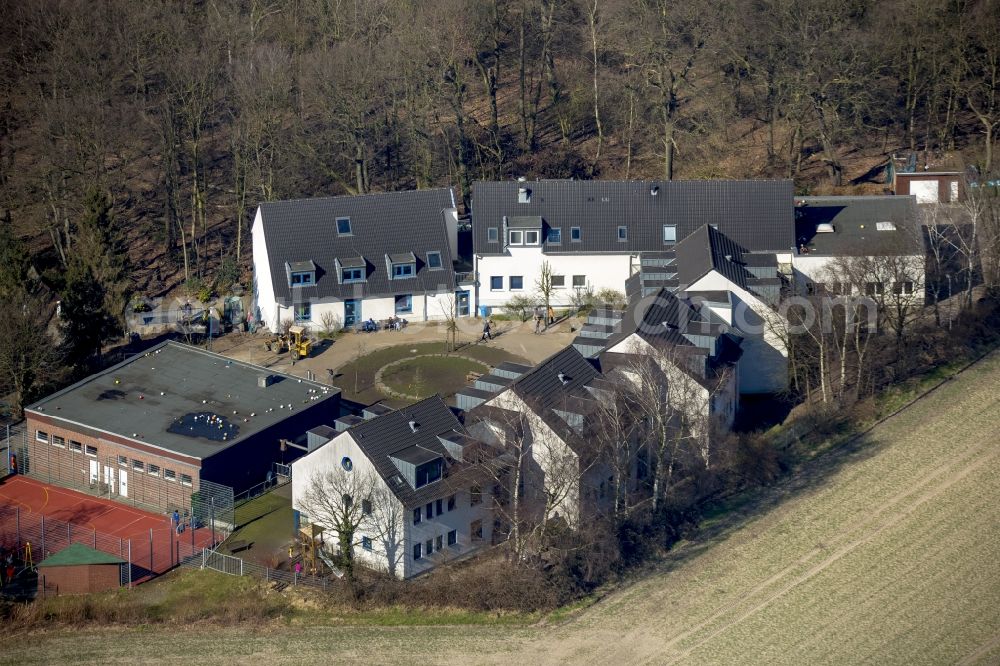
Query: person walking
{"type": "Point", "coordinates": [177, 521]}
{"type": "Point", "coordinates": [539, 318]}
{"type": "Point", "coordinates": [552, 315]}
{"type": "Point", "coordinates": [486, 331]}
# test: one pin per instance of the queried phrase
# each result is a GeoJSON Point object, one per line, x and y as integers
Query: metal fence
{"type": "Point", "coordinates": [208, 558]}
{"type": "Point", "coordinates": [212, 504]}
{"type": "Point", "coordinates": [278, 476]}
{"type": "Point", "coordinates": [34, 537]}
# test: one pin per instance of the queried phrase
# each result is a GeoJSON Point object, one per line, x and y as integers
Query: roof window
{"type": "Point", "coordinates": [344, 226]}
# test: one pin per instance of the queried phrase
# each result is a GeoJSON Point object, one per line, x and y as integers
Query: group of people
{"type": "Point", "coordinates": [391, 324]}
{"type": "Point", "coordinates": [544, 317]}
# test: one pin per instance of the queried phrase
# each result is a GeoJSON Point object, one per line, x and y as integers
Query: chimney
{"type": "Point", "coordinates": [263, 381]}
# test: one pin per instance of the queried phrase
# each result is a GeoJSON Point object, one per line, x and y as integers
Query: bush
{"type": "Point", "coordinates": [611, 298]}
{"type": "Point", "coordinates": [520, 307]}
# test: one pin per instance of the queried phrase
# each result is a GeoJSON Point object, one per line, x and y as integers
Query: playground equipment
{"type": "Point", "coordinates": [310, 537]}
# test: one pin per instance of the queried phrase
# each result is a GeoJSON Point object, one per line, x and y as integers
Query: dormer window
{"type": "Point", "coordinates": [301, 273]}
{"type": "Point", "coordinates": [429, 472]}
{"type": "Point", "coordinates": [401, 266]}
{"type": "Point", "coordinates": [344, 226]}
{"type": "Point", "coordinates": [351, 269]}
{"type": "Point", "coordinates": [515, 237]}
{"type": "Point", "coordinates": [531, 238]}
{"type": "Point", "coordinates": [349, 275]}
{"type": "Point", "coordinates": [434, 260]}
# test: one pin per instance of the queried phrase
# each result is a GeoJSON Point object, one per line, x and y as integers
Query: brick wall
{"type": "Point", "coordinates": [57, 460]}
{"type": "Point", "coordinates": [78, 579]}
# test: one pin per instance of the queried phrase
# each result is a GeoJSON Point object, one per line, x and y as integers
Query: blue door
{"type": "Point", "coordinates": [352, 312]}
{"type": "Point", "coordinates": [462, 303]}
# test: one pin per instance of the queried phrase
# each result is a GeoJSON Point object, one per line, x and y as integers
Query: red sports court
{"type": "Point", "coordinates": [44, 514]}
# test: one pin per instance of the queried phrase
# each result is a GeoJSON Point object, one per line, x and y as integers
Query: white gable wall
{"type": "Point", "coordinates": [764, 364]}
{"type": "Point", "coordinates": [263, 287]}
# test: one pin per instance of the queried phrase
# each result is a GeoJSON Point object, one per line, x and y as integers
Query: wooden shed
{"type": "Point", "coordinates": [79, 569]}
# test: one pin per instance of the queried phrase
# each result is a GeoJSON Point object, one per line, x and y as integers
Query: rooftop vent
{"type": "Point", "coordinates": [654, 190]}
{"type": "Point", "coordinates": [414, 426]}
{"type": "Point", "coordinates": [263, 381]}
{"type": "Point", "coordinates": [563, 378]}
{"type": "Point", "coordinates": [885, 226]}
{"type": "Point", "coordinates": [824, 228]}
{"type": "Point", "coordinates": [729, 257]}
{"type": "Point", "coordinates": [523, 195]}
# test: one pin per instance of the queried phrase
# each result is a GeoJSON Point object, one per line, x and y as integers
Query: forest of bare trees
{"type": "Point", "coordinates": [189, 114]}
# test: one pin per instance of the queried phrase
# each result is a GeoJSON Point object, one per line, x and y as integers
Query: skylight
{"type": "Point", "coordinates": [885, 226]}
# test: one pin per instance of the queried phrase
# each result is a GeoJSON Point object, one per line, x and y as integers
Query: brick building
{"type": "Point", "coordinates": [153, 428]}
{"type": "Point", "coordinates": [79, 569]}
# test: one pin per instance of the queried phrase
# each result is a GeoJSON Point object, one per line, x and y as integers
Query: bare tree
{"type": "Point", "coordinates": [543, 285]}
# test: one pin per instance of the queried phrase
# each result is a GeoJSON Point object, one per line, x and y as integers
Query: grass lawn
{"type": "Point", "coordinates": [427, 375]}
{"type": "Point", "coordinates": [357, 378]}
{"type": "Point", "coordinates": [266, 522]}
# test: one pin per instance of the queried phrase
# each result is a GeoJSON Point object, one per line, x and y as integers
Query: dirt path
{"type": "Point", "coordinates": [884, 553]}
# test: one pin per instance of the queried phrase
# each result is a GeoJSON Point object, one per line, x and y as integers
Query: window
{"type": "Point", "coordinates": [429, 546]}
{"type": "Point", "coordinates": [451, 503]}
{"type": "Point", "coordinates": [349, 275]}
{"type": "Point", "coordinates": [516, 282]}
{"type": "Point", "coordinates": [496, 283]}
{"type": "Point", "coordinates": [574, 234]}
{"type": "Point", "coordinates": [475, 495]}
{"type": "Point", "coordinates": [416, 516]}
{"type": "Point", "coordinates": [452, 537]}
{"type": "Point", "coordinates": [185, 479]}
{"type": "Point", "coordinates": [75, 447]}
{"type": "Point", "coordinates": [874, 288]}
{"type": "Point", "coordinates": [343, 226]}
{"type": "Point", "coordinates": [153, 470]}
{"type": "Point", "coordinates": [302, 278]}
{"type": "Point", "coordinates": [404, 304]}
{"type": "Point", "coordinates": [366, 507]}
{"type": "Point", "coordinates": [42, 436]}
{"type": "Point", "coordinates": [476, 530]}
{"type": "Point", "coordinates": [897, 288]}
{"type": "Point", "coordinates": [58, 441]}
{"type": "Point", "coordinates": [91, 451]}
{"type": "Point", "coordinates": [366, 543]}
{"type": "Point", "coordinates": [429, 510]}
{"type": "Point", "coordinates": [169, 475]}
{"type": "Point", "coordinates": [579, 280]}
{"type": "Point", "coordinates": [400, 271]}
{"type": "Point", "coordinates": [416, 551]}
{"type": "Point", "coordinates": [437, 505]}
{"type": "Point", "coordinates": [515, 237]}
{"type": "Point", "coordinates": [138, 466]}
{"type": "Point", "coordinates": [622, 234]}
{"type": "Point", "coordinates": [669, 233]}
{"type": "Point", "coordinates": [429, 472]}
{"type": "Point", "coordinates": [558, 281]}
{"type": "Point", "coordinates": [347, 464]}
{"type": "Point", "coordinates": [493, 235]}
{"type": "Point", "coordinates": [433, 260]}
{"type": "Point", "coordinates": [123, 461]}
{"type": "Point", "coordinates": [439, 542]}
{"type": "Point", "coordinates": [554, 236]}
{"type": "Point", "coordinates": [531, 238]}
{"type": "Point", "coordinates": [303, 312]}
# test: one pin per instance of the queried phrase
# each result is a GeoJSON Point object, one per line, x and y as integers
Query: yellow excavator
{"type": "Point", "coordinates": [295, 342]}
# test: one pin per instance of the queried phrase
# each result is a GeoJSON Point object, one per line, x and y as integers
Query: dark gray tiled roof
{"type": "Point", "coordinates": [855, 222]}
{"type": "Point", "coordinates": [543, 387]}
{"type": "Point", "coordinates": [756, 213]}
{"type": "Point", "coordinates": [710, 250]}
{"type": "Point", "coordinates": [389, 435]}
{"type": "Point", "coordinates": [143, 397]}
{"type": "Point", "coordinates": [391, 223]}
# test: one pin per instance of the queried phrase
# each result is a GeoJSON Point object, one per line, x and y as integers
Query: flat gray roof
{"type": "Point", "coordinates": [153, 398]}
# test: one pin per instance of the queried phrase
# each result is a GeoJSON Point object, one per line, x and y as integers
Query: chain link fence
{"type": "Point", "coordinates": [207, 558]}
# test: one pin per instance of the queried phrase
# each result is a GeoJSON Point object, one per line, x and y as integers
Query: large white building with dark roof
{"type": "Point", "coordinates": [351, 258]}
{"type": "Point", "coordinates": [593, 234]}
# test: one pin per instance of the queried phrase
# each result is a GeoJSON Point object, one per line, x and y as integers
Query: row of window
{"type": "Point", "coordinates": [427, 512]}
{"type": "Point", "coordinates": [516, 282]}
{"type": "Point", "coordinates": [303, 311]}
{"type": "Point", "coordinates": [553, 235]}
{"type": "Point", "coordinates": [123, 461]}
{"type": "Point", "coordinates": [427, 548]}
{"type": "Point", "coordinates": [871, 288]}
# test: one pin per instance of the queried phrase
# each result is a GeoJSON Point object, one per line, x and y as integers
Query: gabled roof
{"type": "Point", "coordinates": [391, 224]}
{"type": "Point", "coordinates": [756, 213]}
{"type": "Point", "coordinates": [855, 225]}
{"type": "Point", "coordinates": [77, 554]}
{"type": "Point", "coordinates": [708, 249]}
{"type": "Point", "coordinates": [390, 436]}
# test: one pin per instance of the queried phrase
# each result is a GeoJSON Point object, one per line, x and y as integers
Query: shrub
{"type": "Point", "coordinates": [520, 307]}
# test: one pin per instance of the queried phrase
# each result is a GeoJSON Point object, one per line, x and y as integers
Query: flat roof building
{"type": "Point", "coordinates": [152, 428]}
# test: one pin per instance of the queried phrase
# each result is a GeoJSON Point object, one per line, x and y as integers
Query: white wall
{"type": "Point", "coordinates": [460, 520]}
{"type": "Point", "coordinates": [810, 268]}
{"type": "Point", "coordinates": [263, 287]}
{"type": "Point", "coordinates": [602, 271]}
{"type": "Point", "coordinates": [764, 363]}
